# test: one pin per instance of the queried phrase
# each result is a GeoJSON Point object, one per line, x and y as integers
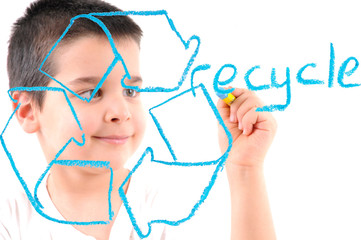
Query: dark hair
{"type": "Point", "coordinates": [34, 34]}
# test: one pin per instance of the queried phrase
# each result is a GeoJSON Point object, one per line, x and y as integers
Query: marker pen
{"type": "Point", "coordinates": [226, 98]}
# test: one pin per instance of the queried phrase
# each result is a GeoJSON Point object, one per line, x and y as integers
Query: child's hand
{"type": "Point", "coordinates": [252, 131]}
{"type": "Point", "coordinates": [252, 134]}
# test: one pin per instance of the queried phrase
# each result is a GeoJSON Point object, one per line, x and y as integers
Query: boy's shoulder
{"type": "Point", "coordinates": [14, 204]}
{"type": "Point", "coordinates": [15, 214]}
{"type": "Point", "coordinates": [19, 220]}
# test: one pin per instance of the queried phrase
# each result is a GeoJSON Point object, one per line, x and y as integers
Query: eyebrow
{"type": "Point", "coordinates": [85, 80]}
{"type": "Point", "coordinates": [95, 80]}
{"type": "Point", "coordinates": [135, 79]}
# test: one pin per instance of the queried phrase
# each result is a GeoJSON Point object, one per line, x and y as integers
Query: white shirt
{"type": "Point", "coordinates": [19, 220]}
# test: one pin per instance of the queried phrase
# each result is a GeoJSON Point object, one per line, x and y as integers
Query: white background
{"type": "Point", "coordinates": [312, 169]}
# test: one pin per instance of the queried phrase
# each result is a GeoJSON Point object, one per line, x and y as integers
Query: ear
{"type": "Point", "coordinates": [26, 113]}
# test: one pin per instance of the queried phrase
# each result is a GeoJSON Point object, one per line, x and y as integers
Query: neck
{"type": "Point", "coordinates": [81, 194]}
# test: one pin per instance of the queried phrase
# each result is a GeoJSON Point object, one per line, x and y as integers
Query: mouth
{"type": "Point", "coordinates": [118, 140]}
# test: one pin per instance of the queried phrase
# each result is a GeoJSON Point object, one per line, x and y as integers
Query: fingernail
{"type": "Point", "coordinates": [240, 126]}
{"type": "Point", "coordinates": [231, 118]}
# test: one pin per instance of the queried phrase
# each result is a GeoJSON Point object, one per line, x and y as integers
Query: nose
{"type": "Point", "coordinates": [117, 110]}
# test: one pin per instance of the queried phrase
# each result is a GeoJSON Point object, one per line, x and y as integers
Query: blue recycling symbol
{"type": "Point", "coordinates": [202, 92]}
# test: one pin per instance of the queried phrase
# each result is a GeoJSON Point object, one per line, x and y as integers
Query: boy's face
{"type": "Point", "coordinates": [113, 122]}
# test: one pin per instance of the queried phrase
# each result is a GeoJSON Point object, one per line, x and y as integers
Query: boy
{"type": "Point", "coordinates": [113, 124]}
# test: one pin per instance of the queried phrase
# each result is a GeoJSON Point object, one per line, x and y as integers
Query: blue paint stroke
{"type": "Point", "coordinates": [342, 72]}
{"type": "Point", "coordinates": [274, 84]}
{"type": "Point", "coordinates": [52, 89]}
{"type": "Point", "coordinates": [149, 151]}
{"type": "Point", "coordinates": [196, 69]}
{"type": "Point", "coordinates": [303, 81]}
{"type": "Point", "coordinates": [117, 55]}
{"type": "Point", "coordinates": [216, 81]}
{"type": "Point", "coordinates": [118, 58]}
{"type": "Point", "coordinates": [186, 45]}
{"type": "Point", "coordinates": [250, 86]}
{"type": "Point", "coordinates": [331, 70]}
{"type": "Point", "coordinates": [33, 197]}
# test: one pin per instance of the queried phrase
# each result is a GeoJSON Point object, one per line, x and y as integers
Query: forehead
{"type": "Point", "coordinates": [92, 56]}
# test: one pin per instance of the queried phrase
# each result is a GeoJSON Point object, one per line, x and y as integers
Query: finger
{"type": "Point", "coordinates": [230, 111]}
{"type": "Point", "coordinates": [241, 96]}
{"type": "Point", "coordinates": [221, 104]}
{"type": "Point", "coordinates": [223, 109]}
{"type": "Point", "coordinates": [249, 120]}
{"type": "Point", "coordinates": [250, 104]}
{"type": "Point", "coordinates": [238, 92]}
{"type": "Point", "coordinates": [265, 122]}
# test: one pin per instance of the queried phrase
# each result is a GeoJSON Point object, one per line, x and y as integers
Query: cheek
{"type": "Point", "coordinates": [72, 125]}
{"type": "Point", "coordinates": [140, 121]}
{"type": "Point", "coordinates": [60, 124]}
{"type": "Point", "coordinates": [88, 116]}
{"type": "Point", "coordinates": [88, 123]}
{"type": "Point", "coordinates": [70, 128]}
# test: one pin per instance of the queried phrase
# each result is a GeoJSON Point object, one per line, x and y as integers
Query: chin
{"type": "Point", "coordinates": [117, 164]}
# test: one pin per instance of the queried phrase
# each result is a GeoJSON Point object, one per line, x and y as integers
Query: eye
{"type": "Point", "coordinates": [87, 93]}
{"type": "Point", "coordinates": [130, 92]}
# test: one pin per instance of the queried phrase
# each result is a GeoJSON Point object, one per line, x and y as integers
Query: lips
{"type": "Point", "coordinates": [113, 139]}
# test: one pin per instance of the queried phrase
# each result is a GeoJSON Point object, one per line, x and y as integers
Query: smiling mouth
{"type": "Point", "coordinates": [114, 139]}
